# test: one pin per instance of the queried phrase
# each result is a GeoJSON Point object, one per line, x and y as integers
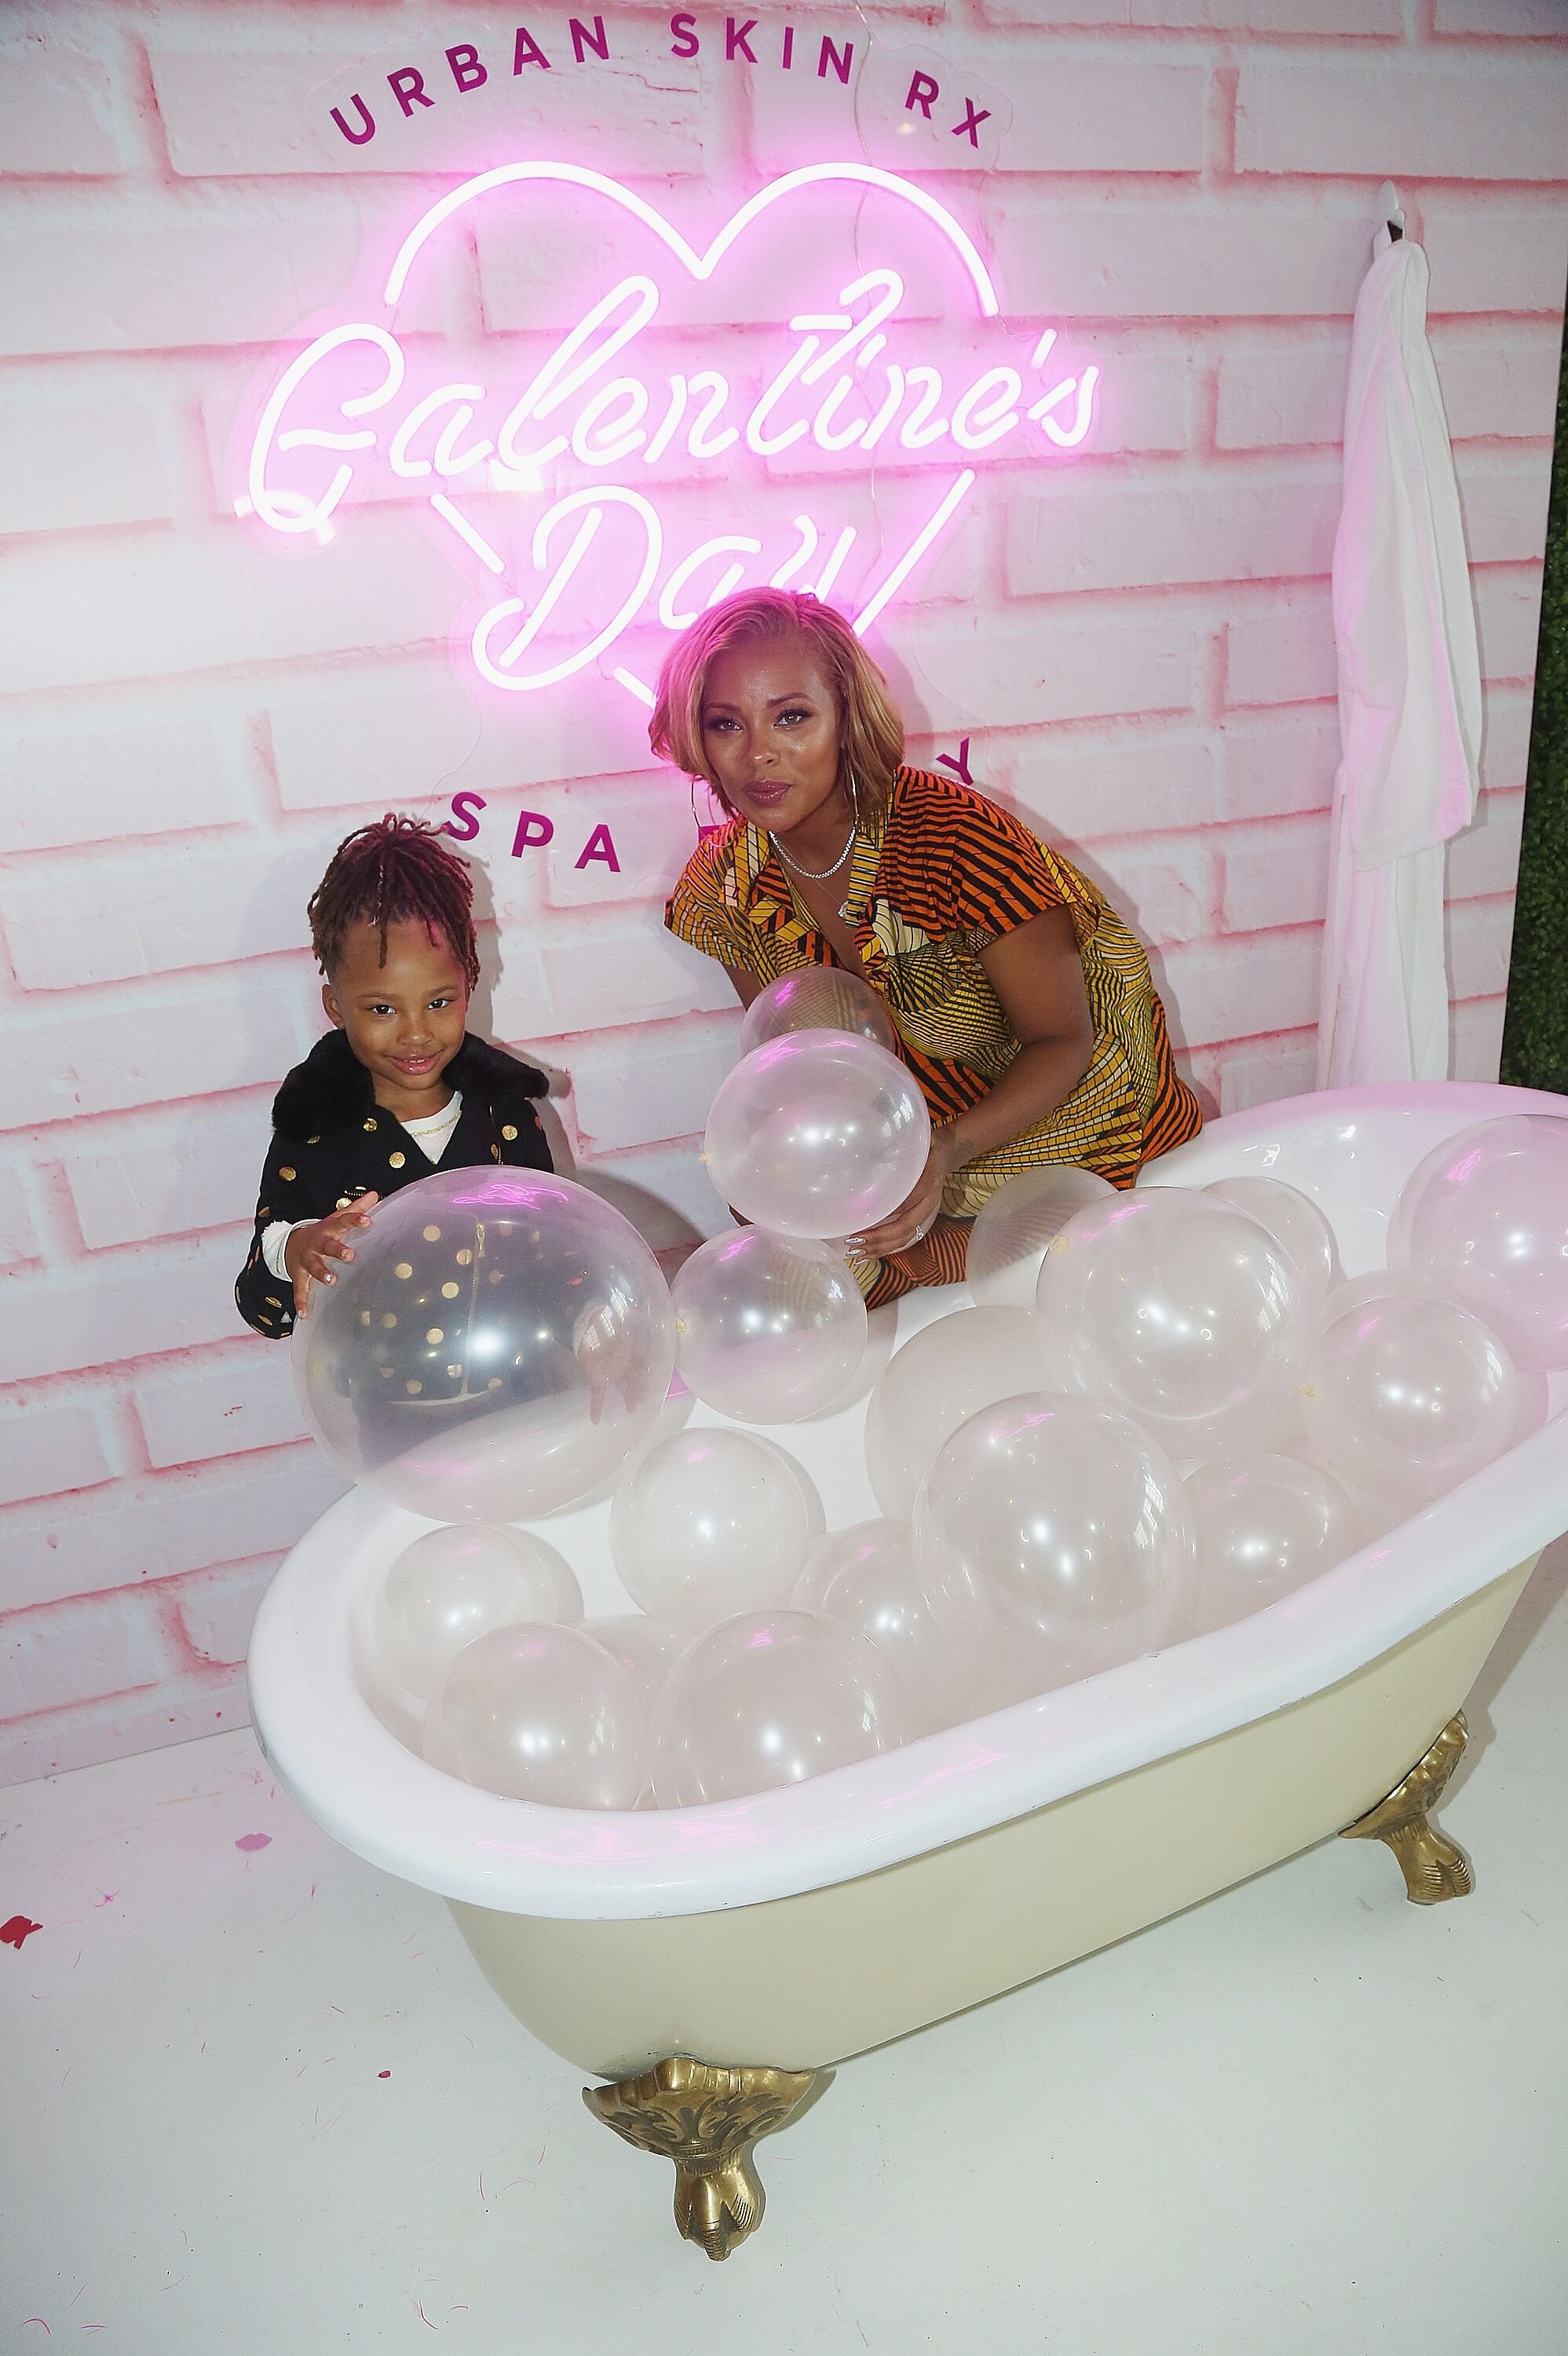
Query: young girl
{"type": "Point", "coordinates": [1023, 1004]}
{"type": "Point", "coordinates": [398, 1086]}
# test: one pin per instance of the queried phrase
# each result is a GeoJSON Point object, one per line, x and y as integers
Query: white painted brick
{"type": "Point", "coordinates": [1484, 860]}
{"type": "Point", "coordinates": [664, 1190]}
{"type": "Point", "coordinates": [1480, 934]}
{"type": "Point", "coordinates": [1488, 253]}
{"type": "Point", "coordinates": [69, 784]}
{"type": "Point", "coordinates": [1200, 258]}
{"type": "Point", "coordinates": [155, 271]}
{"type": "Point", "coordinates": [1501, 383]}
{"type": "Point", "coordinates": [227, 1406]}
{"type": "Point", "coordinates": [1368, 19]}
{"type": "Point", "coordinates": [45, 1451]}
{"type": "Point", "coordinates": [1508, 622]}
{"type": "Point", "coordinates": [1282, 651]}
{"type": "Point", "coordinates": [638, 968]}
{"type": "Point", "coordinates": [519, 1003]}
{"type": "Point", "coordinates": [110, 1644]}
{"type": "Point", "coordinates": [1261, 1074]}
{"type": "Point", "coordinates": [194, 1166]}
{"type": "Point", "coordinates": [1098, 536]}
{"type": "Point", "coordinates": [1273, 767]}
{"type": "Point", "coordinates": [239, 104]}
{"type": "Point", "coordinates": [1145, 397]}
{"type": "Point", "coordinates": [164, 1524]}
{"type": "Point", "coordinates": [232, 1034]}
{"type": "Point", "coordinates": [1505, 743]}
{"type": "Point", "coordinates": [91, 1315]}
{"type": "Point", "coordinates": [89, 1733]}
{"type": "Point", "coordinates": [163, 604]}
{"type": "Point", "coordinates": [663, 1090]}
{"type": "Point", "coordinates": [651, 830]}
{"type": "Point", "coordinates": [18, 1236]}
{"type": "Point", "coordinates": [1017, 668]}
{"type": "Point", "coordinates": [1475, 1038]}
{"type": "Point", "coordinates": [65, 465]}
{"type": "Point", "coordinates": [1504, 503]}
{"type": "Point", "coordinates": [1499, 19]}
{"type": "Point", "coordinates": [1278, 875]}
{"type": "Point", "coordinates": [1462, 118]}
{"type": "Point", "coordinates": [58, 112]}
{"type": "Point", "coordinates": [1085, 791]}
{"type": "Point", "coordinates": [1283, 396]}
{"type": "Point", "coordinates": [216, 1608]}
{"type": "Point", "coordinates": [1235, 989]}
{"type": "Point", "coordinates": [156, 911]}
{"type": "Point", "coordinates": [1165, 889]}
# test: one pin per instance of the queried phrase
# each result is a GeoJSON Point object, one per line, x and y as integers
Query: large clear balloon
{"type": "Point", "coordinates": [819, 1133]}
{"type": "Point", "coordinates": [940, 1377]}
{"type": "Point", "coordinates": [767, 1330]}
{"type": "Point", "coordinates": [452, 1585]}
{"type": "Point", "coordinates": [816, 998]}
{"type": "Point", "coordinates": [500, 1340]}
{"type": "Point", "coordinates": [1486, 1217]}
{"type": "Point", "coordinates": [709, 1522]}
{"type": "Point", "coordinates": [1264, 1524]}
{"type": "Point", "coordinates": [1404, 1395]}
{"type": "Point", "coordinates": [1294, 1222]}
{"type": "Point", "coordinates": [1013, 1232]}
{"type": "Point", "coordinates": [647, 1649]}
{"type": "Point", "coordinates": [872, 1585]}
{"type": "Point", "coordinates": [770, 1698]}
{"type": "Point", "coordinates": [1182, 1312]}
{"type": "Point", "coordinates": [540, 1713]}
{"type": "Point", "coordinates": [1066, 1521]}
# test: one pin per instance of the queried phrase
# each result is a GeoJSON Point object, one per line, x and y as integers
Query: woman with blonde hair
{"type": "Point", "coordinates": [1023, 1004]}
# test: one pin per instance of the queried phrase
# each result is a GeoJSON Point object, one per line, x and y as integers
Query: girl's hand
{"type": "Point", "coordinates": [310, 1249]}
{"type": "Point", "coordinates": [918, 1214]}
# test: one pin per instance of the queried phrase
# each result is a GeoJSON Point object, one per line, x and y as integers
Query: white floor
{"type": "Point", "coordinates": [256, 2098]}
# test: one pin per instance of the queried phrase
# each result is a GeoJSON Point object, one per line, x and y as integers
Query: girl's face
{"type": "Point", "coordinates": [403, 1019]}
{"type": "Point", "coordinates": [769, 731]}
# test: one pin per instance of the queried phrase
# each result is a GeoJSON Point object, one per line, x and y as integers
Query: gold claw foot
{"type": "Point", "coordinates": [1433, 1866]}
{"type": "Point", "coordinates": [706, 2120]}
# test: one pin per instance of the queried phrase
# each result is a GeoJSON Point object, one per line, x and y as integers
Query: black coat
{"type": "Point", "coordinates": [332, 1142]}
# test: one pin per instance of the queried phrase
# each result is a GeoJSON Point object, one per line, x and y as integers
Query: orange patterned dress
{"type": "Point", "coordinates": [944, 874]}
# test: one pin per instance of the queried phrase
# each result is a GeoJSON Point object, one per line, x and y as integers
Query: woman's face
{"type": "Point", "coordinates": [769, 731]}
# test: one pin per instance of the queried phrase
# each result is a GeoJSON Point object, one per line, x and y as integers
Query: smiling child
{"type": "Point", "coordinates": [398, 1084]}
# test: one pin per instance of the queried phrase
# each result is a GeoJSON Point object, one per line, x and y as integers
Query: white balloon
{"type": "Point", "coordinates": [767, 1699]}
{"type": "Point", "coordinates": [819, 1133]}
{"type": "Point", "coordinates": [876, 1589]}
{"type": "Point", "coordinates": [1013, 1232]}
{"type": "Point", "coordinates": [1266, 1524]}
{"type": "Point", "coordinates": [647, 1649]}
{"type": "Point", "coordinates": [816, 998]}
{"type": "Point", "coordinates": [452, 1585]}
{"type": "Point", "coordinates": [1294, 1222]}
{"type": "Point", "coordinates": [939, 1378]}
{"type": "Point", "coordinates": [709, 1522]}
{"type": "Point", "coordinates": [540, 1713]}
{"type": "Point", "coordinates": [767, 1329]}
{"type": "Point", "coordinates": [1485, 1215]}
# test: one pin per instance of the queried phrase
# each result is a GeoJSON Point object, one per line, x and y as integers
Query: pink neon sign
{"type": "Point", "coordinates": [589, 437]}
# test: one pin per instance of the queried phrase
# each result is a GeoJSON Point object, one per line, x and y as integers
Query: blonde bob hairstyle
{"type": "Point", "coordinates": [870, 734]}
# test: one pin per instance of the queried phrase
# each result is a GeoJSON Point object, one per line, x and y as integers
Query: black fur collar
{"type": "Point", "coordinates": [331, 1090]}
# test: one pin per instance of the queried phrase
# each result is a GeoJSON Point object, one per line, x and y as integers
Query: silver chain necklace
{"type": "Point", "coordinates": [816, 874]}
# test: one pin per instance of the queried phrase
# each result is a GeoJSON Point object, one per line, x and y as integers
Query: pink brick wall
{"type": "Point", "coordinates": [1137, 648]}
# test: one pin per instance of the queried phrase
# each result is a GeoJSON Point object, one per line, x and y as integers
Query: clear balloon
{"type": "Point", "coordinates": [1486, 1217]}
{"type": "Point", "coordinates": [939, 1378]}
{"type": "Point", "coordinates": [1404, 1395]}
{"type": "Point", "coordinates": [769, 1699]}
{"type": "Point", "coordinates": [1264, 1524]}
{"type": "Point", "coordinates": [1013, 1232]}
{"type": "Point", "coordinates": [498, 1344]}
{"type": "Point", "coordinates": [875, 1587]}
{"type": "Point", "coordinates": [819, 1133]}
{"type": "Point", "coordinates": [767, 1330]}
{"type": "Point", "coordinates": [540, 1713]}
{"type": "Point", "coordinates": [1294, 1222]}
{"type": "Point", "coordinates": [817, 998]}
{"type": "Point", "coordinates": [1182, 1312]}
{"type": "Point", "coordinates": [1066, 1521]}
{"type": "Point", "coordinates": [710, 1523]}
{"type": "Point", "coordinates": [647, 1649]}
{"type": "Point", "coordinates": [452, 1585]}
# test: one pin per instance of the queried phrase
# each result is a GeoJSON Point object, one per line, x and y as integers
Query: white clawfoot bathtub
{"type": "Point", "coordinates": [784, 1932]}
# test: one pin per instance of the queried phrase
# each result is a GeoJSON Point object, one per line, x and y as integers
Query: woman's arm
{"type": "Point", "coordinates": [746, 984]}
{"type": "Point", "coordinates": [1038, 976]}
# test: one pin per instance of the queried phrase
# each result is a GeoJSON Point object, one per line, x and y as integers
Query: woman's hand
{"type": "Point", "coordinates": [920, 1210]}
{"type": "Point", "coordinates": [310, 1248]}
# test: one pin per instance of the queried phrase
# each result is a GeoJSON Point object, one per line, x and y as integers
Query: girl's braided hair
{"type": "Point", "coordinates": [386, 875]}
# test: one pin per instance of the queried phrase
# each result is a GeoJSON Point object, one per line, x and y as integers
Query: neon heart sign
{"type": "Point", "coordinates": [852, 385]}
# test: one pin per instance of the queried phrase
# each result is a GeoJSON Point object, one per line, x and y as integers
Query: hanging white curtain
{"type": "Point", "coordinates": [1410, 696]}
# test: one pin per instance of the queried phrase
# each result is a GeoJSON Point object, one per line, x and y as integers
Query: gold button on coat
{"type": "Point", "coordinates": [508, 1130]}
{"type": "Point", "coordinates": [395, 1159]}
